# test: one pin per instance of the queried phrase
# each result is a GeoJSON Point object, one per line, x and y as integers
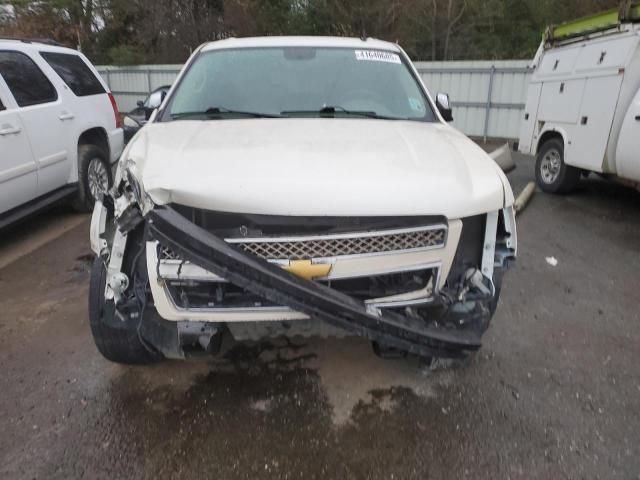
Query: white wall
{"type": "Point", "coordinates": [130, 84]}
{"type": "Point", "coordinates": [467, 82]}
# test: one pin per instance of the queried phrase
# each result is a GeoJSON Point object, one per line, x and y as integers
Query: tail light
{"type": "Point", "coordinates": [116, 113]}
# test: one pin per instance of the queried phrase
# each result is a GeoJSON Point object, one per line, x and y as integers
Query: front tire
{"type": "Point", "coordinates": [122, 344]}
{"type": "Point", "coordinates": [94, 177]}
{"type": "Point", "coordinates": [553, 175]}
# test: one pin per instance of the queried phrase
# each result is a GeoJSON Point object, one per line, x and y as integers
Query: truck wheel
{"type": "Point", "coordinates": [552, 174]}
{"type": "Point", "coordinates": [120, 345]}
{"type": "Point", "coordinates": [94, 177]}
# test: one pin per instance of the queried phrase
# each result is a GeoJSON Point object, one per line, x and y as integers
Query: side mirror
{"type": "Point", "coordinates": [130, 122]}
{"type": "Point", "coordinates": [163, 95]}
{"type": "Point", "coordinates": [155, 99]}
{"type": "Point", "coordinates": [444, 106]}
{"type": "Point", "coordinates": [140, 103]}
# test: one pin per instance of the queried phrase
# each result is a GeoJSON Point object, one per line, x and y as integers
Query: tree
{"type": "Point", "coordinates": [167, 31]}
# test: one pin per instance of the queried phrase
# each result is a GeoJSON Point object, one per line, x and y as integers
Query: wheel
{"type": "Point", "coordinates": [552, 174]}
{"type": "Point", "coordinates": [94, 177]}
{"type": "Point", "coordinates": [122, 344]}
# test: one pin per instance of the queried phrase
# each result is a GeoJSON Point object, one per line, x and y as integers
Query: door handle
{"type": "Point", "coordinates": [66, 116]}
{"type": "Point", "coordinates": [638, 118]}
{"type": "Point", "coordinates": [9, 130]}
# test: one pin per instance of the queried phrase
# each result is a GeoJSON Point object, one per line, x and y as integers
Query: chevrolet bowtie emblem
{"type": "Point", "coordinates": [308, 270]}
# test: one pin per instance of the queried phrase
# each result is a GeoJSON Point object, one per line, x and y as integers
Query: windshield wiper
{"type": "Point", "coordinates": [332, 110]}
{"type": "Point", "coordinates": [217, 112]}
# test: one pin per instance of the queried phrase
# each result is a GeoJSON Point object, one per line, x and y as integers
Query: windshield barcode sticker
{"type": "Point", "coordinates": [377, 56]}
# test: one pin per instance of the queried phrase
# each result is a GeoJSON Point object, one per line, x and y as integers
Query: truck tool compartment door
{"type": "Point", "coordinates": [45, 119]}
{"type": "Point", "coordinates": [628, 149]}
{"type": "Point", "coordinates": [527, 127]}
{"type": "Point", "coordinates": [591, 134]}
{"type": "Point", "coordinates": [561, 92]}
{"type": "Point", "coordinates": [602, 63]}
{"type": "Point", "coordinates": [18, 169]}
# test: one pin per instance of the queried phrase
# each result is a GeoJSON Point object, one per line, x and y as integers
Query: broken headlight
{"type": "Point", "coordinates": [134, 185]}
{"type": "Point", "coordinates": [131, 203]}
{"type": "Point", "coordinates": [131, 186]}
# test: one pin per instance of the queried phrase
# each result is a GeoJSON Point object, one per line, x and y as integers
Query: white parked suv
{"type": "Point", "coordinates": [60, 129]}
{"type": "Point", "coordinates": [299, 186]}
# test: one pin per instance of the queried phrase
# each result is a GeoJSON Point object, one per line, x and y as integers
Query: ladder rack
{"type": "Point", "coordinates": [629, 12]}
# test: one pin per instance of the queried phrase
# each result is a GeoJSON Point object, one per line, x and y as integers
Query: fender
{"type": "Point", "coordinates": [559, 130]}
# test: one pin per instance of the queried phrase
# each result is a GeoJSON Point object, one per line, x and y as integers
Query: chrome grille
{"type": "Point", "coordinates": [336, 246]}
{"type": "Point", "coordinates": [307, 248]}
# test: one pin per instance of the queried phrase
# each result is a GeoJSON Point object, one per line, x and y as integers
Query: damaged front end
{"type": "Point", "coordinates": [180, 276]}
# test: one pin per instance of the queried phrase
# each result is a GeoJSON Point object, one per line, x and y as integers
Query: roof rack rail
{"type": "Point", "coordinates": [628, 12]}
{"type": "Point", "coordinates": [45, 41]}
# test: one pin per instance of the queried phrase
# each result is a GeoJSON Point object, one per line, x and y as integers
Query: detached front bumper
{"type": "Point", "coordinates": [268, 281]}
{"type": "Point", "coordinates": [447, 318]}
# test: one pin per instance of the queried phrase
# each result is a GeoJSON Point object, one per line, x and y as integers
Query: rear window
{"type": "Point", "coordinates": [26, 81]}
{"type": "Point", "coordinates": [75, 73]}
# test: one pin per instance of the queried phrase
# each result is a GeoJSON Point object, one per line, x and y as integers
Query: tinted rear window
{"type": "Point", "coordinates": [75, 73]}
{"type": "Point", "coordinates": [26, 81]}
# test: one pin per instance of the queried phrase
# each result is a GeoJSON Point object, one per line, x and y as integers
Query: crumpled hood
{"type": "Point", "coordinates": [317, 167]}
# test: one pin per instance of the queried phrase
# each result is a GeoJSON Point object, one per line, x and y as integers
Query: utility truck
{"type": "Point", "coordinates": [582, 112]}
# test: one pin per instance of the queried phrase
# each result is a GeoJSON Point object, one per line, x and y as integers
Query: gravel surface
{"type": "Point", "coordinates": [554, 393]}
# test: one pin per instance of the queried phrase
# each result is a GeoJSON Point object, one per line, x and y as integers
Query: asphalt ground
{"type": "Point", "coordinates": [554, 393]}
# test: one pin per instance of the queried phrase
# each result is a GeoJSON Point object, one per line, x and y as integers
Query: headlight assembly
{"type": "Point", "coordinates": [131, 203]}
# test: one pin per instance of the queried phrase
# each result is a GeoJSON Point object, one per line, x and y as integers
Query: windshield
{"type": "Point", "coordinates": [299, 81]}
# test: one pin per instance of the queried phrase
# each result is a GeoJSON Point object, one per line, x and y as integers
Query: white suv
{"type": "Point", "coordinates": [60, 129]}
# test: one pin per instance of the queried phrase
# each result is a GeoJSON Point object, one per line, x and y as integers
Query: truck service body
{"type": "Point", "coordinates": [582, 111]}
